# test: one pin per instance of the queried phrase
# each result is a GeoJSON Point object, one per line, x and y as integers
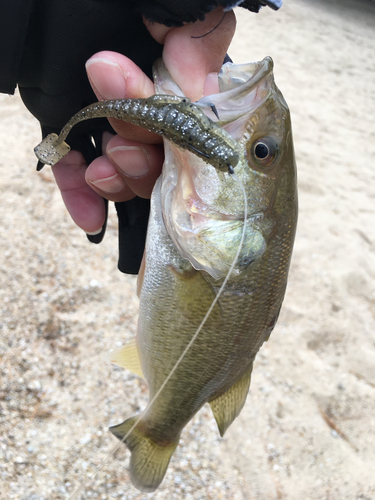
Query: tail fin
{"type": "Point", "coordinates": [149, 460]}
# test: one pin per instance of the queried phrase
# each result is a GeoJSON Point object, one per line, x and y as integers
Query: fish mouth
{"type": "Point", "coordinates": [237, 84]}
{"type": "Point", "coordinates": [242, 88]}
{"type": "Point", "coordinates": [203, 209]}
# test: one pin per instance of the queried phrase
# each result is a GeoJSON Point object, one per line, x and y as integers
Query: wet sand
{"type": "Point", "coordinates": [307, 430]}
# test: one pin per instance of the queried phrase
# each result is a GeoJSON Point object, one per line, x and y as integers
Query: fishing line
{"type": "Point", "coordinates": [178, 362]}
{"type": "Point", "coordinates": [213, 29]}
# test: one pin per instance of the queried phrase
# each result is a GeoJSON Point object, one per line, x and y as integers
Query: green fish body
{"type": "Point", "coordinates": [195, 228]}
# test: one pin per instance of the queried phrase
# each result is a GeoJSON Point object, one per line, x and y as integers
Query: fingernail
{"type": "Point", "coordinates": [94, 233]}
{"type": "Point", "coordinates": [112, 184]}
{"type": "Point", "coordinates": [106, 78]}
{"type": "Point", "coordinates": [132, 160]}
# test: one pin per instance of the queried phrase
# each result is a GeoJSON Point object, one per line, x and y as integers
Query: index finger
{"type": "Point", "coordinates": [114, 76]}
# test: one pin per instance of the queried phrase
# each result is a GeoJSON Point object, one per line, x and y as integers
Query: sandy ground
{"type": "Point", "coordinates": [308, 428]}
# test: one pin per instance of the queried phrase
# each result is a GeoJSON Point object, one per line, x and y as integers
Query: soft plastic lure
{"type": "Point", "coordinates": [175, 118]}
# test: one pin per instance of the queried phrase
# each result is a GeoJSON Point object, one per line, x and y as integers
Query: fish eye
{"type": "Point", "coordinates": [264, 151]}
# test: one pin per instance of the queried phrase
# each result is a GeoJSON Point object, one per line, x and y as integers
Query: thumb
{"type": "Point", "coordinates": [84, 205]}
{"type": "Point", "coordinates": [191, 57]}
{"type": "Point", "coordinates": [190, 60]}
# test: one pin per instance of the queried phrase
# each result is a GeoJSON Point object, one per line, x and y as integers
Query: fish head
{"type": "Point", "coordinates": [204, 208]}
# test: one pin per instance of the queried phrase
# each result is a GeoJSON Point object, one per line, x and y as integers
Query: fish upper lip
{"type": "Point", "coordinates": [257, 72]}
{"type": "Point", "coordinates": [265, 67]}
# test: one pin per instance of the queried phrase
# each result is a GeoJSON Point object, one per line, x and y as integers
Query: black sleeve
{"type": "Point", "coordinates": [49, 42]}
{"type": "Point", "coordinates": [178, 12]}
{"type": "Point", "coordinates": [44, 45]}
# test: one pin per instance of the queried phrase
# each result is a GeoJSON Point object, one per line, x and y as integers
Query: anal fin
{"type": "Point", "coordinates": [229, 405]}
{"type": "Point", "coordinates": [127, 357]}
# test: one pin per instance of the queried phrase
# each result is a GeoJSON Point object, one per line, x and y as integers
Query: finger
{"type": "Point", "coordinates": [114, 76]}
{"type": "Point", "coordinates": [103, 177]}
{"type": "Point", "coordinates": [139, 164]}
{"type": "Point", "coordinates": [202, 57]}
{"type": "Point", "coordinates": [157, 31]}
{"type": "Point", "coordinates": [130, 168]}
{"type": "Point", "coordinates": [84, 205]}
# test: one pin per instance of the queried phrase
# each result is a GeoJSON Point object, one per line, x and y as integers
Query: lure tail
{"type": "Point", "coordinates": [149, 460]}
{"type": "Point", "coordinates": [51, 150]}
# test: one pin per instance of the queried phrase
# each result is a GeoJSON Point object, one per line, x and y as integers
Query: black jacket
{"type": "Point", "coordinates": [44, 45]}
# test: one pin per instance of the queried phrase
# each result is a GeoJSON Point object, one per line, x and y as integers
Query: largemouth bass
{"type": "Point", "coordinates": [196, 226]}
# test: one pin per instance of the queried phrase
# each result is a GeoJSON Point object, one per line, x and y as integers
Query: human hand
{"type": "Point", "coordinates": [132, 160]}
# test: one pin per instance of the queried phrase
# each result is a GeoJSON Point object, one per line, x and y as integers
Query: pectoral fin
{"type": "Point", "coordinates": [127, 357]}
{"type": "Point", "coordinates": [228, 406]}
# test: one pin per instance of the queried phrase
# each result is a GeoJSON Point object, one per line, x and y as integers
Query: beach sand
{"type": "Point", "coordinates": [307, 431]}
